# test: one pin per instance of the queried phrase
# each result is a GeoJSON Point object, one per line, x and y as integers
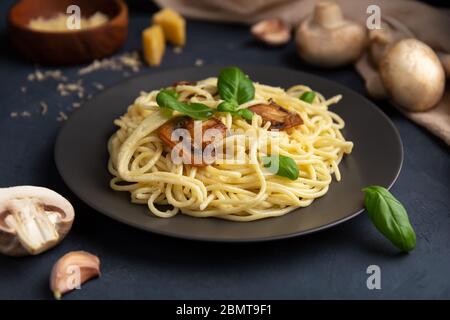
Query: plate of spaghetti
{"type": "Point", "coordinates": [228, 153]}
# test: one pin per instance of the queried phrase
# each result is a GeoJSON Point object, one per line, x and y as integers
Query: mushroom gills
{"type": "Point", "coordinates": [35, 228]}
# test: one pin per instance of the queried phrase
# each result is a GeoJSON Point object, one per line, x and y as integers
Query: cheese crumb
{"type": "Point", "coordinates": [62, 116]}
{"type": "Point", "coordinates": [130, 60]}
{"type": "Point", "coordinates": [39, 76]}
{"type": "Point", "coordinates": [66, 89]}
{"type": "Point", "coordinates": [44, 107]}
{"type": "Point", "coordinates": [98, 85]}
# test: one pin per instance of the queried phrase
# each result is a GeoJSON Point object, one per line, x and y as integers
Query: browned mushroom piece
{"type": "Point", "coordinates": [166, 130]}
{"type": "Point", "coordinates": [211, 130]}
{"type": "Point", "coordinates": [273, 32]}
{"type": "Point", "coordinates": [32, 220]}
{"type": "Point", "coordinates": [279, 118]}
{"type": "Point", "coordinates": [208, 136]}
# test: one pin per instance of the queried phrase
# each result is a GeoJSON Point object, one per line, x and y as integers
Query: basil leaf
{"type": "Point", "coordinates": [226, 106]}
{"type": "Point", "coordinates": [235, 86]}
{"type": "Point", "coordinates": [245, 113]}
{"type": "Point", "coordinates": [389, 217]}
{"type": "Point", "coordinates": [308, 96]}
{"type": "Point", "coordinates": [172, 92]}
{"type": "Point", "coordinates": [231, 107]}
{"type": "Point", "coordinates": [198, 111]}
{"type": "Point", "coordinates": [285, 166]}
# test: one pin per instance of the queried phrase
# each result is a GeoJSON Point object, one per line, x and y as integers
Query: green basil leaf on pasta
{"type": "Point", "coordinates": [234, 86]}
{"type": "Point", "coordinates": [390, 217]}
{"type": "Point", "coordinates": [245, 113]}
{"type": "Point", "coordinates": [226, 106]}
{"type": "Point", "coordinates": [308, 96]}
{"type": "Point", "coordinates": [172, 92]}
{"type": "Point", "coordinates": [281, 166]}
{"type": "Point", "coordinates": [198, 111]}
{"type": "Point", "coordinates": [231, 107]}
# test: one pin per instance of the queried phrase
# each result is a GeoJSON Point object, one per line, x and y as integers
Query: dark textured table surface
{"type": "Point", "coordinates": [138, 265]}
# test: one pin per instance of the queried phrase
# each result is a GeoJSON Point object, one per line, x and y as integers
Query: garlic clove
{"type": "Point", "coordinates": [273, 32]}
{"type": "Point", "coordinates": [72, 270]}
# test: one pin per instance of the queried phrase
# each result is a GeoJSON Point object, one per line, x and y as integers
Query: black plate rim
{"type": "Point", "coordinates": [58, 146]}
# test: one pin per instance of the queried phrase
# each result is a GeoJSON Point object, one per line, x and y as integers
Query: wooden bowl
{"type": "Point", "coordinates": [71, 47]}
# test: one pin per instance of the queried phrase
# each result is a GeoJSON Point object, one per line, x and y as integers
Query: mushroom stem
{"type": "Point", "coordinates": [328, 14]}
{"type": "Point", "coordinates": [36, 229]}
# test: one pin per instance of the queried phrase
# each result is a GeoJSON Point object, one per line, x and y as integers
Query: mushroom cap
{"type": "Point", "coordinates": [52, 210]}
{"type": "Point", "coordinates": [413, 75]}
{"type": "Point", "coordinates": [326, 39]}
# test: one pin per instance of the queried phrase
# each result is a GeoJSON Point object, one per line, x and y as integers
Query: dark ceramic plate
{"type": "Point", "coordinates": [81, 157]}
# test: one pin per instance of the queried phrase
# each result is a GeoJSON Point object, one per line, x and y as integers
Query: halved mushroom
{"type": "Point", "coordinates": [196, 144]}
{"type": "Point", "coordinates": [273, 32]}
{"type": "Point", "coordinates": [279, 118]}
{"type": "Point", "coordinates": [32, 220]}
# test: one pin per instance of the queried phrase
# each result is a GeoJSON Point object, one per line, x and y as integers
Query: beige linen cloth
{"type": "Point", "coordinates": [428, 24]}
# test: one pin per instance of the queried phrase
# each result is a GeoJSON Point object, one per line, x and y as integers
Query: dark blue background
{"type": "Point", "coordinates": [139, 265]}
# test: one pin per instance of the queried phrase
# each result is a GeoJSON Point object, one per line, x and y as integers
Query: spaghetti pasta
{"type": "Point", "coordinates": [237, 188]}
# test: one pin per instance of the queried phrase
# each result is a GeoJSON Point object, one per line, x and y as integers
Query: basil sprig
{"type": "Point", "coordinates": [389, 217]}
{"type": "Point", "coordinates": [168, 99]}
{"type": "Point", "coordinates": [235, 88]}
{"type": "Point", "coordinates": [285, 166]}
{"type": "Point", "coordinates": [308, 96]}
{"type": "Point", "coordinates": [230, 107]}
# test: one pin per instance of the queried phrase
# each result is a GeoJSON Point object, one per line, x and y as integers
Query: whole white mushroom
{"type": "Point", "coordinates": [327, 39]}
{"type": "Point", "coordinates": [413, 75]}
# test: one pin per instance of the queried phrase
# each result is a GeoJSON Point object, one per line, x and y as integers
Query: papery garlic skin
{"type": "Point", "coordinates": [72, 270]}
